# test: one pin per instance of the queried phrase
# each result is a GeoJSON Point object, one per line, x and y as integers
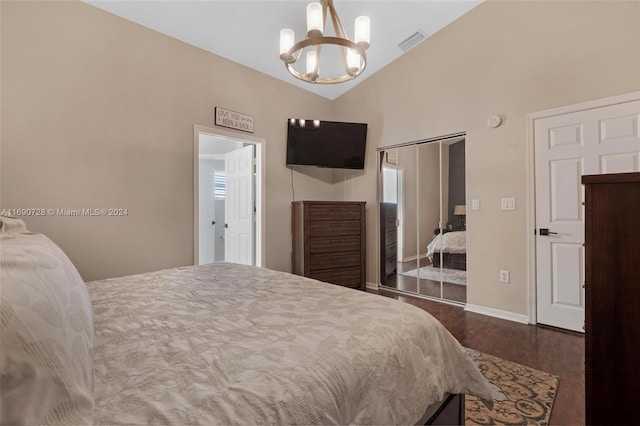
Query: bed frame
{"type": "Point", "coordinates": [449, 411]}
{"type": "Point", "coordinates": [451, 261]}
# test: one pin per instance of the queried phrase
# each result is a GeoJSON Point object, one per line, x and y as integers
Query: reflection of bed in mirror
{"type": "Point", "coordinates": [448, 249]}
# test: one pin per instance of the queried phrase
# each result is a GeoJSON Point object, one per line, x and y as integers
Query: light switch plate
{"type": "Point", "coordinates": [475, 204]}
{"type": "Point", "coordinates": [508, 203]}
{"type": "Point", "coordinates": [504, 276]}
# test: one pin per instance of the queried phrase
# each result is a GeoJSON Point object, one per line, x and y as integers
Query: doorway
{"type": "Point", "coordinates": [392, 187]}
{"type": "Point", "coordinates": [597, 137]}
{"type": "Point", "coordinates": [228, 197]}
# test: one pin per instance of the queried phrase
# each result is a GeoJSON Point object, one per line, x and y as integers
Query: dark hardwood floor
{"type": "Point", "coordinates": [544, 348]}
{"type": "Point", "coordinates": [455, 292]}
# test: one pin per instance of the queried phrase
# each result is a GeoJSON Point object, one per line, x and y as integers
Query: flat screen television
{"type": "Point", "coordinates": [326, 144]}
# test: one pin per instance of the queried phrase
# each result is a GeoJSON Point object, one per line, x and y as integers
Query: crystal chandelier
{"type": "Point", "coordinates": [352, 53]}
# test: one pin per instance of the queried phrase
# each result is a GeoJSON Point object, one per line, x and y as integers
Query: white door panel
{"type": "Point", "coordinates": [568, 295]}
{"type": "Point", "coordinates": [239, 221]}
{"type": "Point", "coordinates": [566, 190]}
{"type": "Point", "coordinates": [207, 215]}
{"type": "Point", "coordinates": [619, 127]}
{"type": "Point", "coordinates": [567, 146]}
{"type": "Point", "coordinates": [620, 163]}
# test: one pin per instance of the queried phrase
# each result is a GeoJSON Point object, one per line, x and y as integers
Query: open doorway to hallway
{"type": "Point", "coordinates": [227, 197]}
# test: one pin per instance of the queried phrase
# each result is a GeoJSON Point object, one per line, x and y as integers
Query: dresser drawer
{"type": "Point", "coordinates": [391, 231]}
{"type": "Point", "coordinates": [391, 245]}
{"type": "Point", "coordinates": [334, 260]}
{"type": "Point", "coordinates": [334, 244]}
{"type": "Point", "coordinates": [334, 227]}
{"type": "Point", "coordinates": [334, 212]}
{"type": "Point", "coordinates": [348, 277]}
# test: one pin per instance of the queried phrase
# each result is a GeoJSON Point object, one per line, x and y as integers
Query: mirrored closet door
{"type": "Point", "coordinates": [422, 218]}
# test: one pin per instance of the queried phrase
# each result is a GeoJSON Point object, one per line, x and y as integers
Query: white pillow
{"type": "Point", "coordinates": [12, 224]}
{"type": "Point", "coordinates": [46, 335]}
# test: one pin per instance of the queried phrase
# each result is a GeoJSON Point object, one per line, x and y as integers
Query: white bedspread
{"type": "Point", "coordinates": [450, 242]}
{"type": "Point", "coordinates": [234, 344]}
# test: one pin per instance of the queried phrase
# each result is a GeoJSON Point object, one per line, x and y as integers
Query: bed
{"type": "Point", "coordinates": [449, 250]}
{"type": "Point", "coordinates": [214, 344]}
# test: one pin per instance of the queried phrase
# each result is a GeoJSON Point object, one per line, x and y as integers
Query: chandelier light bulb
{"type": "Point", "coordinates": [353, 61]}
{"type": "Point", "coordinates": [312, 60]}
{"type": "Point", "coordinates": [314, 20]}
{"type": "Point", "coordinates": [362, 32]}
{"type": "Point", "coordinates": [302, 123]}
{"type": "Point", "coordinates": [287, 38]}
{"type": "Point", "coordinates": [316, 123]}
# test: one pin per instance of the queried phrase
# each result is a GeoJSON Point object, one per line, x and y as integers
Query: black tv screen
{"type": "Point", "coordinates": [326, 144]}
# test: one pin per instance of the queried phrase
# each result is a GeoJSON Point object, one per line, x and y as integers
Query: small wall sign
{"type": "Point", "coordinates": [234, 120]}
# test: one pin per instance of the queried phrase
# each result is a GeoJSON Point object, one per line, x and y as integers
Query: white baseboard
{"type": "Point", "coordinates": [419, 256]}
{"type": "Point", "coordinates": [372, 286]}
{"type": "Point", "coordinates": [498, 313]}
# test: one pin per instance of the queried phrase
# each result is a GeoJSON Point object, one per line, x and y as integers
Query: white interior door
{"type": "Point", "coordinates": [567, 146]}
{"type": "Point", "coordinates": [239, 206]}
{"type": "Point", "coordinates": [207, 213]}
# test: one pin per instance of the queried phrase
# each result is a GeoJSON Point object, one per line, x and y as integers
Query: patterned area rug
{"type": "Point", "coordinates": [453, 276]}
{"type": "Point", "coordinates": [523, 396]}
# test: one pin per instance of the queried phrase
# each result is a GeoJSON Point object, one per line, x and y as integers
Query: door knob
{"type": "Point", "coordinates": [545, 231]}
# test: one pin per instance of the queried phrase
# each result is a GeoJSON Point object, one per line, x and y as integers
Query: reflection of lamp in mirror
{"type": "Point", "coordinates": [460, 210]}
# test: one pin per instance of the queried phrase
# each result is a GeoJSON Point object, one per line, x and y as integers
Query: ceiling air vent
{"type": "Point", "coordinates": [412, 40]}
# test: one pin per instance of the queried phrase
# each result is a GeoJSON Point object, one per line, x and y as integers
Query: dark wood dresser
{"type": "Point", "coordinates": [612, 287]}
{"type": "Point", "coordinates": [329, 241]}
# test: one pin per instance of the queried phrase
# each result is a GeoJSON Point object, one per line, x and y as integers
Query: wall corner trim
{"type": "Point", "coordinates": [497, 313]}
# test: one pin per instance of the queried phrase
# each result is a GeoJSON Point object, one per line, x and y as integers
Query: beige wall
{"type": "Point", "coordinates": [98, 112]}
{"type": "Point", "coordinates": [421, 205]}
{"type": "Point", "coordinates": [434, 170]}
{"type": "Point", "coordinates": [507, 58]}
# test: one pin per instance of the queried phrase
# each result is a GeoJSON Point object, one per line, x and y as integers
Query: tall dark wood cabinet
{"type": "Point", "coordinates": [329, 241]}
{"type": "Point", "coordinates": [612, 287]}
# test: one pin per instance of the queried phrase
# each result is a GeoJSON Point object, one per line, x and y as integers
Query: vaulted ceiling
{"type": "Point", "coordinates": [248, 32]}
